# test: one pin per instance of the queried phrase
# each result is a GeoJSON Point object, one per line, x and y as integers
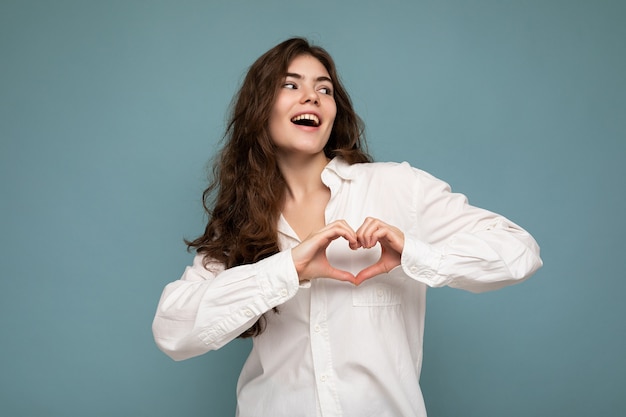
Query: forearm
{"type": "Point", "coordinates": [480, 260]}
{"type": "Point", "coordinates": [201, 312]}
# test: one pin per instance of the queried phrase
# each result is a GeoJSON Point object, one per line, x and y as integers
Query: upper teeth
{"type": "Point", "coordinates": [307, 116]}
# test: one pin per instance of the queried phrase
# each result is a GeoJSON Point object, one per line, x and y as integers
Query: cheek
{"type": "Point", "coordinates": [276, 115]}
{"type": "Point", "coordinates": [280, 105]}
{"type": "Point", "coordinates": [332, 123]}
{"type": "Point", "coordinates": [332, 112]}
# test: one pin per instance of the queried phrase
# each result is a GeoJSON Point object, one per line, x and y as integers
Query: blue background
{"type": "Point", "coordinates": [110, 111]}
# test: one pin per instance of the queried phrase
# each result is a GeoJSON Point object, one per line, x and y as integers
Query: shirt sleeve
{"type": "Point", "coordinates": [208, 307]}
{"type": "Point", "coordinates": [462, 246]}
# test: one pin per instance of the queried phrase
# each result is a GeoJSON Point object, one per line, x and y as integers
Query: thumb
{"type": "Point", "coordinates": [370, 272]}
{"type": "Point", "coordinates": [340, 275]}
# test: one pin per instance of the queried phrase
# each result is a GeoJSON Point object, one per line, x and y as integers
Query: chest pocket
{"type": "Point", "coordinates": [381, 291]}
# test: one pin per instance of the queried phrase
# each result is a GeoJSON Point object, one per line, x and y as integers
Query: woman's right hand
{"type": "Point", "coordinates": [309, 256]}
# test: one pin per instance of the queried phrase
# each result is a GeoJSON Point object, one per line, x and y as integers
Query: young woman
{"type": "Point", "coordinates": [322, 256]}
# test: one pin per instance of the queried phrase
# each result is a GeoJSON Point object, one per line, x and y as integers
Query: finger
{"type": "Point", "coordinates": [340, 228]}
{"type": "Point", "coordinates": [367, 224]}
{"type": "Point", "coordinates": [390, 237]}
{"type": "Point", "coordinates": [375, 230]}
{"type": "Point", "coordinates": [346, 231]}
{"type": "Point", "coordinates": [309, 256]}
{"type": "Point", "coordinates": [366, 233]}
{"type": "Point", "coordinates": [362, 232]}
{"type": "Point", "coordinates": [323, 237]}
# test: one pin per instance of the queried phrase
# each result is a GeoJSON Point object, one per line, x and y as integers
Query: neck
{"type": "Point", "coordinates": [303, 175]}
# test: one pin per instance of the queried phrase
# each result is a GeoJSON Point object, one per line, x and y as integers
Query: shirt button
{"type": "Point", "coordinates": [317, 328]}
{"type": "Point", "coordinates": [247, 313]}
{"type": "Point", "coordinates": [380, 293]}
{"type": "Point", "coordinates": [283, 293]}
{"type": "Point", "coordinates": [323, 378]}
{"type": "Point", "coordinates": [414, 269]}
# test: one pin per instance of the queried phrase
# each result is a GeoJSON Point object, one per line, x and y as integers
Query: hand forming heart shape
{"type": "Point", "coordinates": [310, 256]}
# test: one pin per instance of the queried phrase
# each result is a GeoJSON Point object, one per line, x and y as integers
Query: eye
{"type": "Point", "coordinates": [326, 90]}
{"type": "Point", "coordinates": [290, 85]}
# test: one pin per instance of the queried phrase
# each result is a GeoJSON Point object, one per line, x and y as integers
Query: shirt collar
{"type": "Point", "coordinates": [340, 168]}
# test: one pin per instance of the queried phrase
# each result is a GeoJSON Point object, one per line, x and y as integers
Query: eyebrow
{"type": "Point", "coordinates": [299, 77]}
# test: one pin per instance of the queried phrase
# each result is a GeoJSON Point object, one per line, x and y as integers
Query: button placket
{"type": "Point", "coordinates": [318, 330]}
{"type": "Point", "coordinates": [321, 352]}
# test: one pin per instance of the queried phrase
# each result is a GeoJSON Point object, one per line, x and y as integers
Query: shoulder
{"type": "Point", "coordinates": [343, 169]}
{"type": "Point", "coordinates": [380, 170]}
{"type": "Point", "coordinates": [387, 174]}
{"type": "Point", "coordinates": [384, 167]}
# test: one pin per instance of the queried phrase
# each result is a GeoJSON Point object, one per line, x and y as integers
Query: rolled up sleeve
{"type": "Point", "coordinates": [463, 246]}
{"type": "Point", "coordinates": [210, 306]}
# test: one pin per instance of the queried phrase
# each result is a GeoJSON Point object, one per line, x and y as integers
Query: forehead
{"type": "Point", "coordinates": [307, 66]}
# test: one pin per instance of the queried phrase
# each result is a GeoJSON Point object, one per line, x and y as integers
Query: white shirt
{"type": "Point", "coordinates": [335, 349]}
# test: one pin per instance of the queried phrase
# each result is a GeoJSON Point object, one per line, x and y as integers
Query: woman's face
{"type": "Point", "coordinates": [304, 111]}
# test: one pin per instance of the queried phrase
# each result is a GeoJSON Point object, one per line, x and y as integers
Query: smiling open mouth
{"type": "Point", "coordinates": [306, 120]}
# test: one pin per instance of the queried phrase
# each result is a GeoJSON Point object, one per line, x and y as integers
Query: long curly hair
{"type": "Point", "coordinates": [246, 191]}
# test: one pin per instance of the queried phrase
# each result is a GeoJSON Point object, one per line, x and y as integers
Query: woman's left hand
{"type": "Point", "coordinates": [391, 240]}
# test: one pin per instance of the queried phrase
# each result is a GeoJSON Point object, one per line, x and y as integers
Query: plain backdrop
{"type": "Point", "coordinates": [110, 111]}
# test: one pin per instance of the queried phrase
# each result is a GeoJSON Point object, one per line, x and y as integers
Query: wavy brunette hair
{"type": "Point", "coordinates": [246, 192]}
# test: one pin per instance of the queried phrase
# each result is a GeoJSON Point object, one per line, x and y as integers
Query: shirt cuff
{"type": "Point", "coordinates": [278, 278]}
{"type": "Point", "coordinates": [421, 261]}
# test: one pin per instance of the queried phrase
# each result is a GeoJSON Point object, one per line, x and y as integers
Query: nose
{"type": "Point", "coordinates": [309, 95]}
